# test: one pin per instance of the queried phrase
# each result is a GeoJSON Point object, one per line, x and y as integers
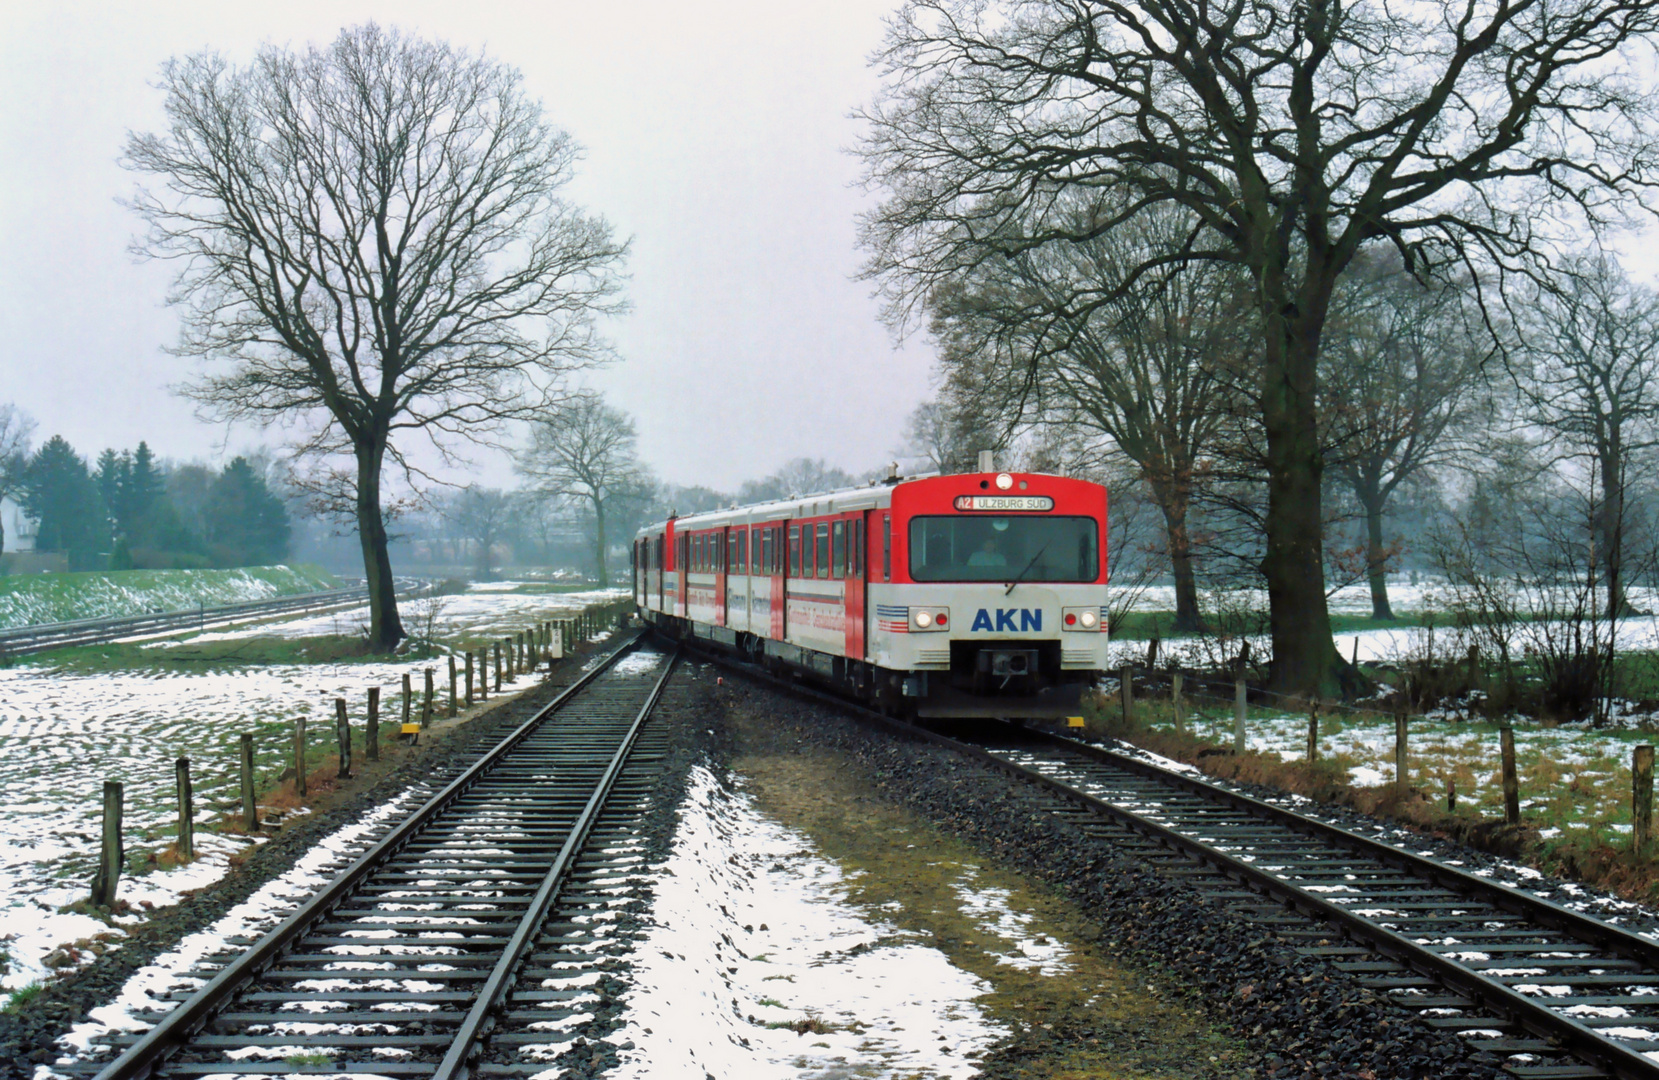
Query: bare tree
{"type": "Point", "coordinates": [945, 436]}
{"type": "Point", "coordinates": [799, 476]}
{"type": "Point", "coordinates": [1294, 135]}
{"type": "Point", "coordinates": [582, 450]}
{"type": "Point", "coordinates": [483, 516]}
{"type": "Point", "coordinates": [16, 426]}
{"type": "Point", "coordinates": [1146, 369]}
{"type": "Point", "coordinates": [373, 243]}
{"type": "Point", "coordinates": [1402, 381]}
{"type": "Point", "coordinates": [1587, 370]}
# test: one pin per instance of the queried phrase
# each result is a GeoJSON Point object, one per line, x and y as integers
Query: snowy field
{"type": "Point", "coordinates": [63, 733]}
{"type": "Point", "coordinates": [29, 599]}
{"type": "Point", "coordinates": [1571, 777]}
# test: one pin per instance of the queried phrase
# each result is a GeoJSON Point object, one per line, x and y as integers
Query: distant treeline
{"type": "Point", "coordinates": [131, 511]}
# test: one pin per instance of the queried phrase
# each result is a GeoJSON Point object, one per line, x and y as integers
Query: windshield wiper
{"type": "Point", "coordinates": [1010, 590]}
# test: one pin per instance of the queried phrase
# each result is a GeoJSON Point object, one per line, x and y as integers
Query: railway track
{"type": "Point", "coordinates": [467, 938]}
{"type": "Point", "coordinates": [42, 636]}
{"type": "Point", "coordinates": [1553, 993]}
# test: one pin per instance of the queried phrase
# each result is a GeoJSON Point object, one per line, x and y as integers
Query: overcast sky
{"type": "Point", "coordinates": [715, 135]}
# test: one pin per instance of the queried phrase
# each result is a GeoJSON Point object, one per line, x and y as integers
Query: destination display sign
{"type": "Point", "coordinates": [1004, 503]}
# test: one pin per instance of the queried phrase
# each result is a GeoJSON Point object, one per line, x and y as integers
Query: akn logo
{"type": "Point", "coordinates": [1029, 620]}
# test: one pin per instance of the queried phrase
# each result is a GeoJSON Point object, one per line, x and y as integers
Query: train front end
{"type": "Point", "coordinates": [996, 603]}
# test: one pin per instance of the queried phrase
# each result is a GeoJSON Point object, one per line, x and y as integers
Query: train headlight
{"type": "Point", "coordinates": [930, 619]}
{"type": "Point", "coordinates": [1079, 619]}
{"type": "Point", "coordinates": [1004, 481]}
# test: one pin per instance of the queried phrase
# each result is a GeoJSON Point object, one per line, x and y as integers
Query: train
{"type": "Point", "coordinates": [958, 596]}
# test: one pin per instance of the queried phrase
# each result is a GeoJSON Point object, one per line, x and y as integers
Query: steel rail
{"type": "Point", "coordinates": [456, 1064]}
{"type": "Point", "coordinates": [1585, 928]}
{"type": "Point", "coordinates": [175, 1029]}
{"type": "Point", "coordinates": [1581, 1041]}
{"type": "Point", "coordinates": [1577, 1039]}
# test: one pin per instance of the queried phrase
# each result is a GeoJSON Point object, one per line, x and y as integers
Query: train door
{"type": "Point", "coordinates": [721, 557]}
{"type": "Point", "coordinates": [773, 543]}
{"type": "Point", "coordinates": [852, 569]}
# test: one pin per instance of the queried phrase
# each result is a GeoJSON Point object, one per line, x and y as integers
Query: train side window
{"type": "Point", "coordinates": [886, 547]}
{"type": "Point", "coordinates": [766, 550]}
{"type": "Point", "coordinates": [794, 551]}
{"type": "Point", "coordinates": [838, 552]}
{"type": "Point", "coordinates": [823, 549]}
{"type": "Point", "coordinates": [858, 547]}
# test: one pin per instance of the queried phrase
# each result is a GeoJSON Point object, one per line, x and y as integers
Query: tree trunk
{"type": "Point", "coordinates": [1376, 559]}
{"type": "Point", "coordinates": [1612, 530]}
{"type": "Point", "coordinates": [1305, 660]}
{"type": "Point", "coordinates": [1179, 541]}
{"type": "Point", "coordinates": [385, 627]}
{"type": "Point", "coordinates": [599, 543]}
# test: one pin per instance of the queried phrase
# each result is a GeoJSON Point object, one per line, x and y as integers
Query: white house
{"type": "Point", "coordinates": [20, 528]}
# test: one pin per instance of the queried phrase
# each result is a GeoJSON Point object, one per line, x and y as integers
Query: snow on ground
{"type": "Point", "coordinates": [148, 987]}
{"type": "Point", "coordinates": [484, 611]}
{"type": "Point", "coordinates": [711, 997]}
{"type": "Point", "coordinates": [63, 733]}
{"type": "Point", "coordinates": [29, 599]}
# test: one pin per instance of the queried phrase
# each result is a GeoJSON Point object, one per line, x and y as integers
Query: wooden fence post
{"type": "Point", "coordinates": [1511, 787]}
{"type": "Point", "coordinates": [469, 678]}
{"type": "Point", "coordinates": [454, 698]}
{"type": "Point", "coordinates": [484, 673]}
{"type": "Point", "coordinates": [187, 810]}
{"type": "Point", "coordinates": [497, 667]}
{"type": "Point", "coordinates": [1180, 707]}
{"type": "Point", "coordinates": [299, 757]}
{"type": "Point", "coordinates": [1451, 794]}
{"type": "Point", "coordinates": [110, 852]}
{"type": "Point", "coordinates": [1641, 796]}
{"type": "Point", "coordinates": [342, 735]}
{"type": "Point", "coordinates": [408, 698]}
{"type": "Point", "coordinates": [371, 732]}
{"type": "Point", "coordinates": [1313, 731]}
{"type": "Point", "coordinates": [1402, 776]}
{"type": "Point", "coordinates": [250, 813]}
{"type": "Point", "coordinates": [1239, 707]}
{"type": "Point", "coordinates": [1126, 686]}
{"type": "Point", "coordinates": [426, 701]}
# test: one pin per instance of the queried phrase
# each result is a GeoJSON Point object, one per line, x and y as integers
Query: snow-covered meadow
{"type": "Point", "coordinates": [64, 732]}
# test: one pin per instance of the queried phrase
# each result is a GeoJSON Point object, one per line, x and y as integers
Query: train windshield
{"type": "Point", "coordinates": [990, 548]}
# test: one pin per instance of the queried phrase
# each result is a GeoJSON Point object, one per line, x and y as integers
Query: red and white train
{"type": "Point", "coordinates": [969, 595]}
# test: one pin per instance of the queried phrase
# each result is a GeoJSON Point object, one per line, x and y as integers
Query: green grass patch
{"type": "Point", "coordinates": [225, 655]}
{"type": "Point", "coordinates": [19, 998]}
{"type": "Point", "coordinates": [29, 599]}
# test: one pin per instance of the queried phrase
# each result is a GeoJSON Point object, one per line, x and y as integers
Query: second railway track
{"type": "Point", "coordinates": [1554, 993]}
{"type": "Point", "coordinates": [471, 915]}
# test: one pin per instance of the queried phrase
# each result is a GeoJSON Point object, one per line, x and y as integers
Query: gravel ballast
{"type": "Point", "coordinates": [1303, 1017]}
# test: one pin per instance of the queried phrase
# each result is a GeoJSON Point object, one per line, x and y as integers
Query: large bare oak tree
{"type": "Point", "coordinates": [373, 245]}
{"type": "Point", "coordinates": [1295, 133]}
